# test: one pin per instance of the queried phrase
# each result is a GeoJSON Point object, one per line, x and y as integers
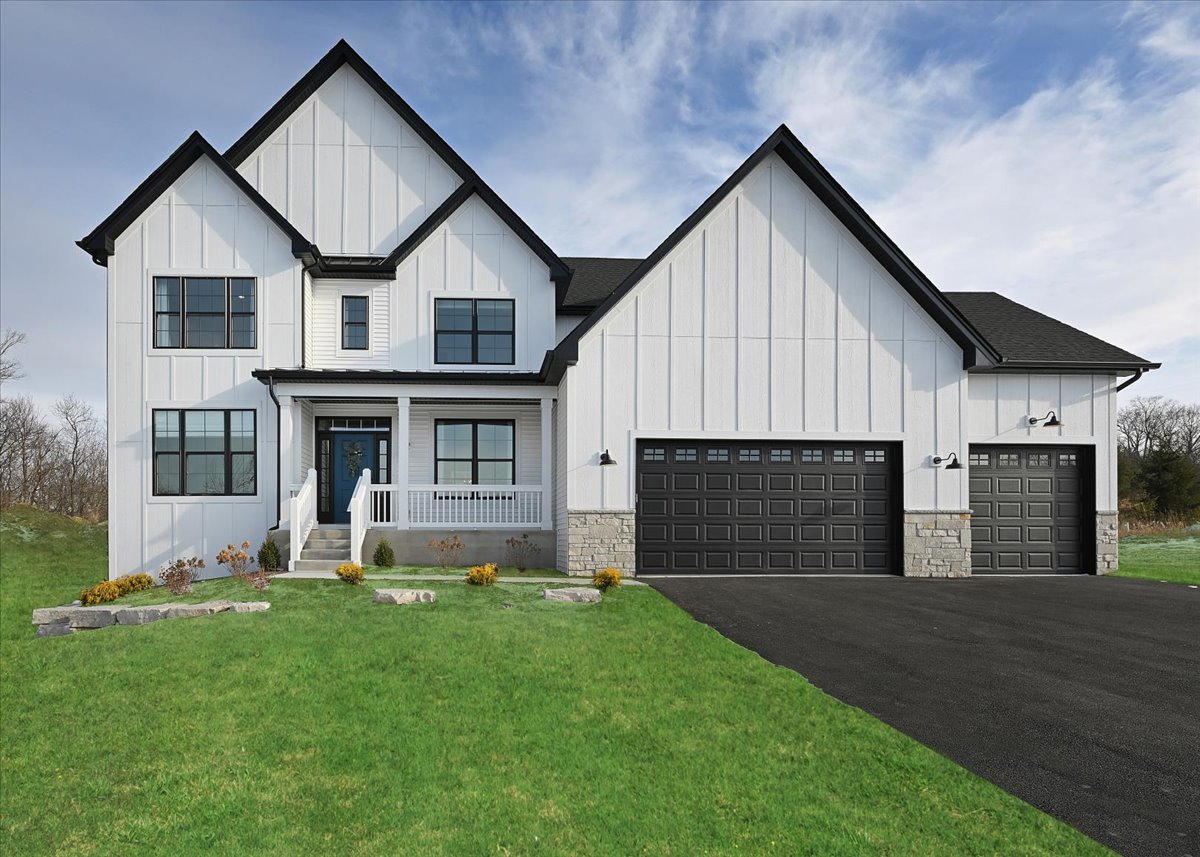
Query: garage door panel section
{"type": "Point", "coordinates": [1029, 509]}
{"type": "Point", "coordinates": [767, 507]}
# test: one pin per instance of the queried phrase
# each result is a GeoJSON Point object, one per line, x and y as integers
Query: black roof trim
{"type": "Point", "coordinates": [439, 216]}
{"type": "Point", "coordinates": [847, 211]}
{"type": "Point", "coordinates": [100, 242]}
{"type": "Point", "coordinates": [342, 54]}
{"type": "Point", "coordinates": [389, 376]}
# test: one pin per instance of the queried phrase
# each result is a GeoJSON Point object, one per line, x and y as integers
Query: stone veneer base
{"type": "Point", "coordinates": [1106, 542]}
{"type": "Point", "coordinates": [937, 544]}
{"type": "Point", "coordinates": [598, 538]}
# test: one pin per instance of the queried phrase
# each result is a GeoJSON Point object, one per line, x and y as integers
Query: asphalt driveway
{"type": "Point", "coordinates": [1081, 695]}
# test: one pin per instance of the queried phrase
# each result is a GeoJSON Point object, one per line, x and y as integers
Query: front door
{"type": "Point", "coordinates": [352, 453]}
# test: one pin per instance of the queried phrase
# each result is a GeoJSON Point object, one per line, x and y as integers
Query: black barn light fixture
{"type": "Point", "coordinates": [605, 458]}
{"type": "Point", "coordinates": [1048, 421]}
{"type": "Point", "coordinates": [952, 458]}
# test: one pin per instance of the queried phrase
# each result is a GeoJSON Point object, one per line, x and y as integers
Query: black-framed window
{"type": "Point", "coordinates": [355, 311]}
{"type": "Point", "coordinates": [474, 331]}
{"type": "Point", "coordinates": [475, 452]}
{"type": "Point", "coordinates": [205, 312]}
{"type": "Point", "coordinates": [202, 452]}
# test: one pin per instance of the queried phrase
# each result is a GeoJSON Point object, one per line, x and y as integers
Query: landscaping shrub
{"type": "Point", "coordinates": [606, 579]}
{"type": "Point", "coordinates": [351, 572]}
{"type": "Point", "coordinates": [106, 590]}
{"type": "Point", "coordinates": [447, 550]}
{"type": "Point", "coordinates": [521, 551]}
{"type": "Point", "coordinates": [384, 557]}
{"type": "Point", "coordinates": [180, 574]}
{"type": "Point", "coordinates": [134, 583]}
{"type": "Point", "coordinates": [483, 575]}
{"type": "Point", "coordinates": [269, 557]}
{"type": "Point", "coordinates": [239, 562]}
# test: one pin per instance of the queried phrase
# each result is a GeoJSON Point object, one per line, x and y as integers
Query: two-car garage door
{"type": "Point", "coordinates": [766, 507]}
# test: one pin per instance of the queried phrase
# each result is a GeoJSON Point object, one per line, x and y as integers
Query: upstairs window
{"type": "Point", "coordinates": [354, 323]}
{"type": "Point", "coordinates": [205, 452]}
{"type": "Point", "coordinates": [204, 312]}
{"type": "Point", "coordinates": [473, 331]}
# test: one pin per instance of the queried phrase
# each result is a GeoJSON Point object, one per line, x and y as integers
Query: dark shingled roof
{"type": "Point", "coordinates": [594, 280]}
{"type": "Point", "coordinates": [1026, 337]}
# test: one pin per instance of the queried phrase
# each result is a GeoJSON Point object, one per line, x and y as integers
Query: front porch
{"type": "Point", "coordinates": [355, 469]}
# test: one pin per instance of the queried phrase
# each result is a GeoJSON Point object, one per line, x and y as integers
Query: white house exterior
{"type": "Point", "coordinates": [337, 331]}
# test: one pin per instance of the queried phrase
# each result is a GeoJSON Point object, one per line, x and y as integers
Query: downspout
{"type": "Point", "coordinates": [1138, 374]}
{"type": "Point", "coordinates": [278, 451]}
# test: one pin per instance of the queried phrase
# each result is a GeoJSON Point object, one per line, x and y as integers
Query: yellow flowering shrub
{"type": "Point", "coordinates": [134, 583]}
{"type": "Point", "coordinates": [606, 579]}
{"type": "Point", "coordinates": [483, 575]}
{"type": "Point", "coordinates": [101, 593]}
{"type": "Point", "coordinates": [351, 572]}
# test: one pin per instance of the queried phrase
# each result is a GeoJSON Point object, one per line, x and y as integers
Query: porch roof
{"type": "Point", "coordinates": [392, 376]}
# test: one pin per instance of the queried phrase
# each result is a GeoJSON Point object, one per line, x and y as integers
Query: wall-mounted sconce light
{"type": "Point", "coordinates": [952, 458]}
{"type": "Point", "coordinates": [605, 458]}
{"type": "Point", "coordinates": [1048, 421]}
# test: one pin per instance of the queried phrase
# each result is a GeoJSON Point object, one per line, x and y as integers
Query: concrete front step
{"type": "Point", "coordinates": [329, 533]}
{"type": "Point", "coordinates": [339, 555]}
{"type": "Point", "coordinates": [327, 544]}
{"type": "Point", "coordinates": [318, 564]}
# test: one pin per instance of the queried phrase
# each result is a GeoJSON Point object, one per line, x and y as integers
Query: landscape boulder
{"type": "Point", "coordinates": [404, 596]}
{"type": "Point", "coordinates": [60, 621]}
{"type": "Point", "coordinates": [578, 595]}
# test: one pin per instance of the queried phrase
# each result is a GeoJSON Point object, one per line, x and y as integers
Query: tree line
{"type": "Point", "coordinates": [1158, 459]}
{"type": "Point", "coordinates": [56, 461]}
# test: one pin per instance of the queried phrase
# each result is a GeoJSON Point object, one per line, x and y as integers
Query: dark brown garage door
{"type": "Point", "coordinates": [1030, 509]}
{"type": "Point", "coordinates": [766, 507]}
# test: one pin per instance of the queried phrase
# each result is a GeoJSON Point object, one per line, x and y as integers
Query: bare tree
{"type": "Point", "coordinates": [10, 369]}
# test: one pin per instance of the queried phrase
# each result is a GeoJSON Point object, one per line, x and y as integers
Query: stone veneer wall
{"type": "Point", "coordinates": [937, 544]}
{"type": "Point", "coordinates": [597, 538]}
{"type": "Point", "coordinates": [1106, 542]}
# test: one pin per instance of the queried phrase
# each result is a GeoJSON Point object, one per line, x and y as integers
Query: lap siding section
{"type": "Point", "coordinates": [767, 507]}
{"type": "Point", "coordinates": [1031, 509]}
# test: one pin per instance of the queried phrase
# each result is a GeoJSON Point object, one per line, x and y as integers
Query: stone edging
{"type": "Point", "coordinates": [60, 621]}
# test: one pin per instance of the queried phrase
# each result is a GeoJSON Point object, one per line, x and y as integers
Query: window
{"type": "Point", "coordinates": [204, 312]}
{"type": "Point", "coordinates": [687, 455]}
{"type": "Point", "coordinates": [781, 456]}
{"type": "Point", "coordinates": [475, 452]}
{"type": "Point", "coordinates": [654, 453]}
{"type": "Point", "coordinates": [718, 456]}
{"type": "Point", "coordinates": [750, 456]}
{"type": "Point", "coordinates": [1008, 459]}
{"type": "Point", "coordinates": [875, 456]}
{"type": "Point", "coordinates": [354, 322]}
{"type": "Point", "coordinates": [473, 331]}
{"type": "Point", "coordinates": [812, 456]}
{"type": "Point", "coordinates": [843, 456]}
{"type": "Point", "coordinates": [205, 452]}
{"type": "Point", "coordinates": [1066, 459]}
{"type": "Point", "coordinates": [980, 459]}
{"type": "Point", "coordinates": [1039, 459]}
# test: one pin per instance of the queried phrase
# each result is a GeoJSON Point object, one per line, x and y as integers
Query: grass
{"type": "Point", "coordinates": [461, 571]}
{"type": "Point", "coordinates": [490, 722]}
{"type": "Point", "coordinates": [1174, 560]}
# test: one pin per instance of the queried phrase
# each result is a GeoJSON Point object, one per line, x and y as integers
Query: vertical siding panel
{"type": "Point", "coordinates": [1012, 406]}
{"type": "Point", "coordinates": [920, 388]}
{"type": "Point", "coordinates": [853, 385]}
{"type": "Point", "coordinates": [947, 424]}
{"type": "Point", "coordinates": [820, 304]}
{"type": "Point", "coordinates": [1045, 396]}
{"type": "Point", "coordinates": [754, 385]}
{"type": "Point", "coordinates": [720, 274]}
{"type": "Point", "coordinates": [754, 256]}
{"type": "Point", "coordinates": [820, 385]}
{"type": "Point", "coordinates": [584, 434]}
{"type": "Point", "coordinates": [787, 373]}
{"type": "Point", "coordinates": [982, 391]}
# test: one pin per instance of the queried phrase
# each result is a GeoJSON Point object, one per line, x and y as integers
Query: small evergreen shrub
{"type": "Point", "coordinates": [179, 575]}
{"type": "Point", "coordinates": [269, 557]}
{"type": "Point", "coordinates": [101, 593]}
{"type": "Point", "coordinates": [607, 579]}
{"type": "Point", "coordinates": [483, 575]}
{"type": "Point", "coordinates": [447, 550]}
{"type": "Point", "coordinates": [521, 551]}
{"type": "Point", "coordinates": [384, 557]}
{"type": "Point", "coordinates": [351, 572]}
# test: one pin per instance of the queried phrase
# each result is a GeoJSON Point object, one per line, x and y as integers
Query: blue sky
{"type": "Point", "coordinates": [1046, 151]}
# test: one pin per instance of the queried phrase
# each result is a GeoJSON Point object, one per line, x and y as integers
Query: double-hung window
{"type": "Point", "coordinates": [204, 312]}
{"type": "Point", "coordinates": [473, 331]}
{"type": "Point", "coordinates": [475, 452]}
{"type": "Point", "coordinates": [354, 322]}
{"type": "Point", "coordinates": [202, 452]}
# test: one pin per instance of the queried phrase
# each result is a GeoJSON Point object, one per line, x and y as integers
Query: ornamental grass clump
{"type": "Point", "coordinates": [179, 575]}
{"type": "Point", "coordinates": [351, 572]}
{"type": "Point", "coordinates": [134, 583]}
{"type": "Point", "coordinates": [240, 562]}
{"type": "Point", "coordinates": [383, 557]}
{"type": "Point", "coordinates": [607, 579]}
{"type": "Point", "coordinates": [483, 575]}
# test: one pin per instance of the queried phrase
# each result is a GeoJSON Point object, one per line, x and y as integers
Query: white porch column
{"type": "Point", "coordinates": [400, 461]}
{"type": "Point", "coordinates": [547, 441]}
{"type": "Point", "coordinates": [288, 450]}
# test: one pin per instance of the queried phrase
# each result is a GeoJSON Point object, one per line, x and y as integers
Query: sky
{"type": "Point", "coordinates": [1045, 151]}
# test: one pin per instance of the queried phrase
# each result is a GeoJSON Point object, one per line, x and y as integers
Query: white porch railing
{"type": "Point", "coordinates": [359, 518]}
{"type": "Point", "coordinates": [478, 506]}
{"type": "Point", "coordinates": [302, 516]}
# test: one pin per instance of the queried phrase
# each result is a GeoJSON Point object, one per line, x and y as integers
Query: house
{"type": "Point", "coordinates": [337, 330]}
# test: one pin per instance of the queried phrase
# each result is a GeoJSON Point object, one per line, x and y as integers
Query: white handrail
{"type": "Point", "coordinates": [359, 515]}
{"type": "Point", "coordinates": [302, 516]}
{"type": "Point", "coordinates": [486, 506]}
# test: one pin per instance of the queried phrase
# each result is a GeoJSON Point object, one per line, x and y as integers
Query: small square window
{"type": "Point", "coordinates": [1066, 459]}
{"type": "Point", "coordinates": [843, 456]}
{"type": "Point", "coordinates": [687, 454]}
{"type": "Point", "coordinates": [875, 456]}
{"type": "Point", "coordinates": [750, 456]}
{"type": "Point", "coordinates": [718, 455]}
{"type": "Point", "coordinates": [654, 453]}
{"type": "Point", "coordinates": [1008, 459]}
{"type": "Point", "coordinates": [812, 456]}
{"type": "Point", "coordinates": [981, 459]}
{"type": "Point", "coordinates": [1039, 459]}
{"type": "Point", "coordinates": [781, 456]}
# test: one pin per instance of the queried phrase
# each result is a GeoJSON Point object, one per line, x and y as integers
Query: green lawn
{"type": "Point", "coordinates": [330, 724]}
{"type": "Point", "coordinates": [1175, 560]}
{"type": "Point", "coordinates": [505, 571]}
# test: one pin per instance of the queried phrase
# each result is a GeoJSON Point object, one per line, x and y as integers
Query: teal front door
{"type": "Point", "coordinates": [352, 453]}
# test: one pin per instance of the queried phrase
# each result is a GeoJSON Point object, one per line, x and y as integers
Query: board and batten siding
{"type": "Point", "coordinates": [1001, 405]}
{"type": "Point", "coordinates": [201, 225]}
{"type": "Point", "coordinates": [326, 330]}
{"type": "Point", "coordinates": [768, 320]}
{"type": "Point", "coordinates": [348, 172]}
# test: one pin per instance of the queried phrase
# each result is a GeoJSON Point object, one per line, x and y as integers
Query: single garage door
{"type": "Point", "coordinates": [765, 507]}
{"type": "Point", "coordinates": [1030, 509]}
